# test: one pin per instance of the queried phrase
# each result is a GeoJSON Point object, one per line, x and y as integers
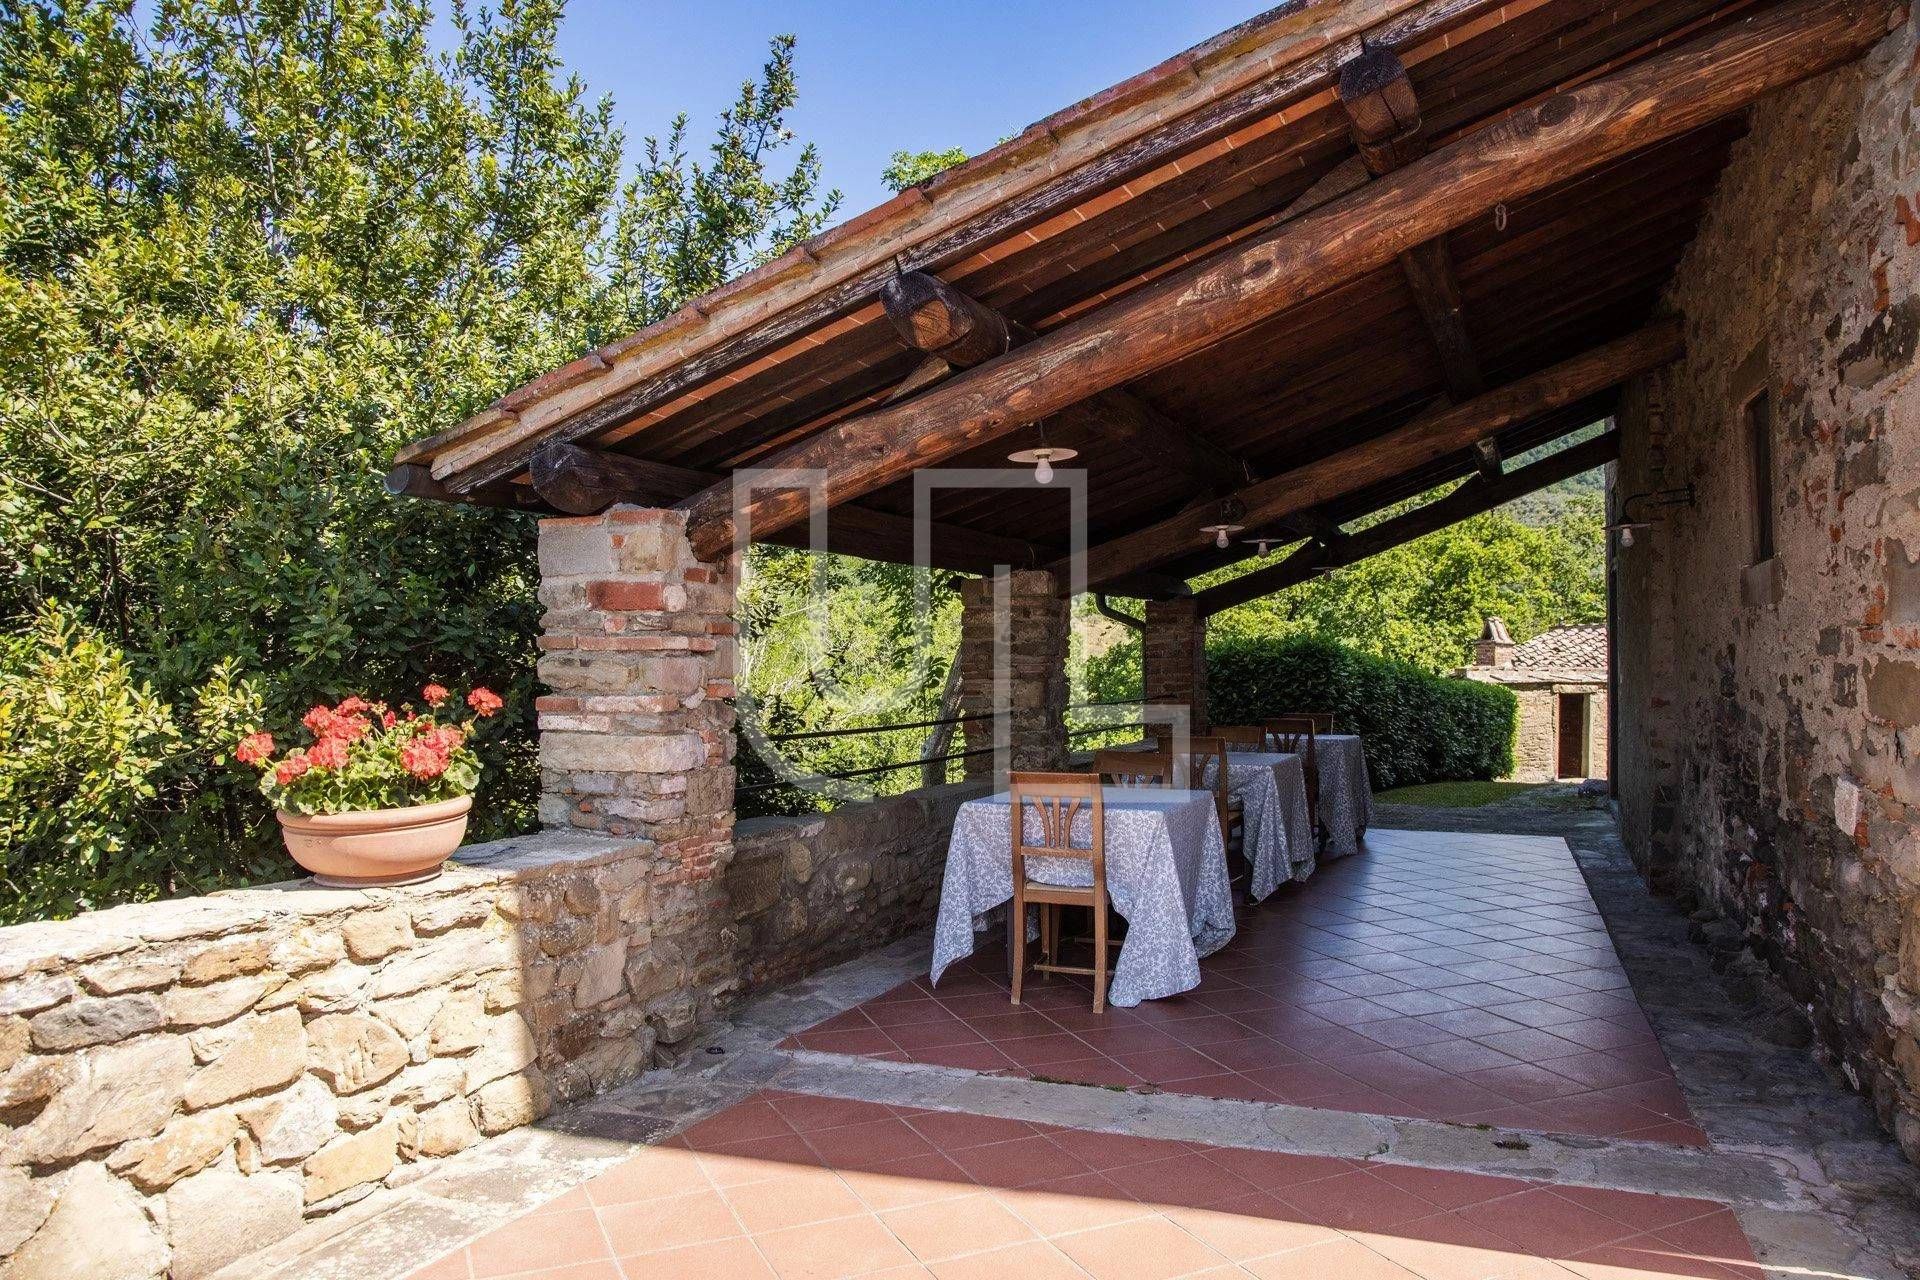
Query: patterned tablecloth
{"type": "Point", "coordinates": [1278, 833]}
{"type": "Point", "coordinates": [1346, 791]}
{"type": "Point", "coordinates": [1166, 875]}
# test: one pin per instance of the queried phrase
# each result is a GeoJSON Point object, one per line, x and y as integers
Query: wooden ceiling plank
{"type": "Point", "coordinates": [1662, 97]}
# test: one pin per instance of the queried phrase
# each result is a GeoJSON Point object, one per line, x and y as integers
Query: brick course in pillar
{"type": "Point", "coordinates": [1035, 640]}
{"type": "Point", "coordinates": [1173, 665]}
{"type": "Point", "coordinates": [636, 734]}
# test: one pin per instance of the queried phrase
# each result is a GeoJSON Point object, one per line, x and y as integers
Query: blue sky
{"type": "Point", "coordinates": [878, 76]}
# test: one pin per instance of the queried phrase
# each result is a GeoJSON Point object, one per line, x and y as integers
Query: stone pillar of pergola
{"type": "Point", "coordinates": [1173, 662]}
{"type": "Point", "coordinates": [1013, 661]}
{"type": "Point", "coordinates": [636, 736]}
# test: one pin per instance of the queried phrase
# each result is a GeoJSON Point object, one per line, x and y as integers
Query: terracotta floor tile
{"type": "Point", "coordinates": [792, 1202]}
{"type": "Point", "coordinates": [948, 1228]}
{"type": "Point", "coordinates": [452, 1267]}
{"type": "Point", "coordinates": [1033, 1260]}
{"type": "Point", "coordinates": [1108, 1151]}
{"type": "Point", "coordinates": [668, 1223]}
{"type": "Point", "coordinates": [843, 1247]}
{"type": "Point", "coordinates": [1018, 1163]}
{"type": "Point", "coordinates": [1442, 1188]}
{"type": "Point", "coordinates": [1547, 1225]}
{"type": "Point", "coordinates": [1342, 1257]}
{"type": "Point", "coordinates": [1715, 1235]}
{"type": "Point", "coordinates": [955, 1130]}
{"type": "Point", "coordinates": [655, 1172]}
{"type": "Point", "coordinates": [539, 1241]}
{"type": "Point", "coordinates": [862, 1146]}
{"type": "Point", "coordinates": [1254, 1226]}
{"type": "Point", "coordinates": [756, 1160]}
{"type": "Point", "coordinates": [737, 1123]}
{"type": "Point", "coordinates": [1355, 1202]}
{"type": "Point", "coordinates": [928, 1035]}
{"type": "Point", "coordinates": [1147, 1249]}
{"type": "Point", "coordinates": [1079, 1203]}
{"type": "Point", "coordinates": [733, 1259]}
{"type": "Point", "coordinates": [1189, 1181]}
{"type": "Point", "coordinates": [915, 1180]}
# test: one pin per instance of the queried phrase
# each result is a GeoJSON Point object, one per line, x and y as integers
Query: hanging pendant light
{"type": "Point", "coordinates": [1041, 459]}
{"type": "Point", "coordinates": [1265, 545]}
{"type": "Point", "coordinates": [1222, 533]}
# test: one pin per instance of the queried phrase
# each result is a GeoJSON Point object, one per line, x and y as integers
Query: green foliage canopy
{"type": "Point", "coordinates": [246, 251]}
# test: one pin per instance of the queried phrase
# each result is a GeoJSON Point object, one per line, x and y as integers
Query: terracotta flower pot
{"type": "Point", "coordinates": [376, 846]}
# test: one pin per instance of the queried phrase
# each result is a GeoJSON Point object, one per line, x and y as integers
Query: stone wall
{"type": "Point", "coordinates": [182, 1082]}
{"type": "Point", "coordinates": [813, 890]}
{"type": "Point", "coordinates": [1173, 657]}
{"type": "Point", "coordinates": [1769, 713]}
{"type": "Point", "coordinates": [1013, 660]}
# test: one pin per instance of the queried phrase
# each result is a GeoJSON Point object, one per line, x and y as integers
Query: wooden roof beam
{"type": "Point", "coordinates": [1383, 115]}
{"type": "Point", "coordinates": [940, 320]}
{"type": "Point", "coordinates": [1571, 133]}
{"type": "Point", "coordinates": [1386, 456]}
{"type": "Point", "coordinates": [1476, 496]}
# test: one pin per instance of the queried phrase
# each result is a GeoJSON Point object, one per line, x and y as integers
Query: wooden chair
{"type": "Point", "coordinates": [1057, 798]}
{"type": "Point", "coordinates": [1232, 819]}
{"type": "Point", "coordinates": [1322, 720]}
{"type": "Point", "coordinates": [1143, 768]}
{"type": "Point", "coordinates": [1294, 734]}
{"type": "Point", "coordinates": [1241, 737]}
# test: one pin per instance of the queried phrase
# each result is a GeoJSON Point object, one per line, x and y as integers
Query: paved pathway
{"type": "Point", "coordinates": [759, 1158]}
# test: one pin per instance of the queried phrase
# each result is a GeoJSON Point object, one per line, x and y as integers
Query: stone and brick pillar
{"type": "Point", "coordinates": [1173, 664]}
{"type": "Point", "coordinates": [636, 733]}
{"type": "Point", "coordinates": [1014, 629]}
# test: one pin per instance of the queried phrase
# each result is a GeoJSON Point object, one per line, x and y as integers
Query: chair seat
{"type": "Point", "coordinates": [1058, 894]}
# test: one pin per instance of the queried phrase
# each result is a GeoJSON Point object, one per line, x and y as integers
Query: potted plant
{"type": "Point", "coordinates": [377, 796]}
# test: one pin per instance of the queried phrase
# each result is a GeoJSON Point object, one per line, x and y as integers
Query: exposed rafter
{"type": "Point", "coordinates": [1351, 470]}
{"type": "Point", "coordinates": [1383, 115]}
{"type": "Point", "coordinates": [1473, 497]}
{"type": "Point", "coordinates": [1534, 147]}
{"type": "Point", "coordinates": [933, 316]}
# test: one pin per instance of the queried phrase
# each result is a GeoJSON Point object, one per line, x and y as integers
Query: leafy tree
{"type": "Point", "coordinates": [910, 168]}
{"type": "Point", "coordinates": [248, 248]}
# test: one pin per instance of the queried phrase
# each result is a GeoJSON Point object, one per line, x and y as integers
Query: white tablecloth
{"type": "Point", "coordinates": [1166, 875]}
{"type": "Point", "coordinates": [1278, 833]}
{"type": "Point", "coordinates": [1346, 792]}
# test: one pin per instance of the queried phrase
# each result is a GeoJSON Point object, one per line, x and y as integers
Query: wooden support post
{"type": "Point", "coordinates": [1399, 451]}
{"type": "Point", "coordinates": [1384, 117]}
{"type": "Point", "coordinates": [1470, 499]}
{"type": "Point", "coordinates": [1186, 311]}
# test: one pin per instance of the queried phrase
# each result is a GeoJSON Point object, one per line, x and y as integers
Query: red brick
{"type": "Point", "coordinates": [646, 597]}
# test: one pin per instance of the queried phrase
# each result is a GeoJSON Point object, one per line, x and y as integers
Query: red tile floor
{"type": "Point", "coordinates": [1435, 975]}
{"type": "Point", "coordinates": [794, 1186]}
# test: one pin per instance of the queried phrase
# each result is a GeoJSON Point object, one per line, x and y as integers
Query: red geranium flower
{"type": "Point", "coordinates": [423, 759]}
{"type": "Point", "coordinates": [328, 753]}
{"type": "Point", "coordinates": [254, 748]}
{"type": "Point", "coordinates": [484, 702]}
{"type": "Point", "coordinates": [351, 706]}
{"type": "Point", "coordinates": [319, 720]}
{"type": "Point", "coordinates": [290, 769]}
{"type": "Point", "coordinates": [387, 719]}
{"type": "Point", "coordinates": [435, 694]}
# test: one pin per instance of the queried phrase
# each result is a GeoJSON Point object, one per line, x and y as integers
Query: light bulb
{"type": "Point", "coordinates": [1626, 537]}
{"type": "Point", "coordinates": [1043, 471]}
{"type": "Point", "coordinates": [1220, 539]}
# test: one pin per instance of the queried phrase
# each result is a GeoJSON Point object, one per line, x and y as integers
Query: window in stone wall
{"type": "Point", "coordinates": [1759, 416]}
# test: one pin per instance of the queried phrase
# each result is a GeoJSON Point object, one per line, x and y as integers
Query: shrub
{"type": "Point", "coordinates": [1418, 727]}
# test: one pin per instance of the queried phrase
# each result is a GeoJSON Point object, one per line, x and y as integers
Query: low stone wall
{"type": "Point", "coordinates": [809, 891]}
{"type": "Point", "coordinates": [182, 1082]}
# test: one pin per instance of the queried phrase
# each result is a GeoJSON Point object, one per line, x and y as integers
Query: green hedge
{"type": "Point", "coordinates": [1418, 727]}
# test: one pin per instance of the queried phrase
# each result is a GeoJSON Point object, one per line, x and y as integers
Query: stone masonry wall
{"type": "Point", "coordinates": [182, 1082]}
{"type": "Point", "coordinates": [1770, 713]}
{"type": "Point", "coordinates": [1033, 637]}
{"type": "Point", "coordinates": [813, 890]}
{"type": "Point", "coordinates": [1173, 657]}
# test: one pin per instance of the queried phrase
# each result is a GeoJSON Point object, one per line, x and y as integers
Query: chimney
{"type": "Point", "coordinates": [1495, 647]}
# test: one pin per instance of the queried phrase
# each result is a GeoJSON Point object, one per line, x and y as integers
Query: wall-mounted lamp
{"type": "Point", "coordinates": [1656, 499]}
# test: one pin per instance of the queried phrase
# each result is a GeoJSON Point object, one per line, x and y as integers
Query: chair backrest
{"type": "Point", "coordinates": [1143, 768]}
{"type": "Point", "coordinates": [1292, 733]}
{"type": "Point", "coordinates": [1241, 737]}
{"type": "Point", "coordinates": [1057, 799]}
{"type": "Point", "coordinates": [1213, 748]}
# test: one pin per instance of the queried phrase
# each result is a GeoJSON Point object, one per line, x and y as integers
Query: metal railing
{"type": "Point", "coordinates": [917, 762]}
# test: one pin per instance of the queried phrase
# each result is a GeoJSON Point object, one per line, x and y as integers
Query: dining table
{"type": "Point", "coordinates": [1346, 791]}
{"type": "Point", "coordinates": [1276, 832]}
{"type": "Point", "coordinates": [1166, 867]}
